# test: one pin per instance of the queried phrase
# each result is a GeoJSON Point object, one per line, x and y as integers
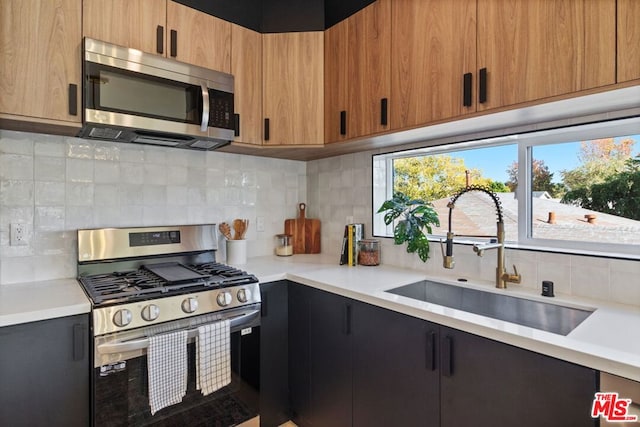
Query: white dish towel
{"type": "Point", "coordinates": [213, 357]}
{"type": "Point", "coordinates": [167, 369]}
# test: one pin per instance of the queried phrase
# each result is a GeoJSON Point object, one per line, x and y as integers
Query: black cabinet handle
{"type": "Point", "coordinates": [79, 337]}
{"type": "Point", "coordinates": [266, 129]}
{"type": "Point", "coordinates": [174, 43]}
{"type": "Point", "coordinates": [482, 91]}
{"type": "Point", "coordinates": [236, 118]}
{"type": "Point", "coordinates": [347, 319]}
{"type": "Point", "coordinates": [160, 39]}
{"type": "Point", "coordinates": [447, 356]}
{"type": "Point", "coordinates": [343, 122]}
{"type": "Point", "coordinates": [430, 351]}
{"type": "Point", "coordinates": [466, 95]}
{"type": "Point", "coordinates": [73, 99]}
{"type": "Point", "coordinates": [384, 111]}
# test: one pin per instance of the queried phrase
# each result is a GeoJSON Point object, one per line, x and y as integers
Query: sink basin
{"type": "Point", "coordinates": [534, 314]}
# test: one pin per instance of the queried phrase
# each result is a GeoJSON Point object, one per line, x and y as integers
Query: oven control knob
{"type": "Point", "coordinates": [244, 295]}
{"type": "Point", "coordinates": [122, 317]}
{"type": "Point", "coordinates": [190, 305]}
{"type": "Point", "coordinates": [224, 299]}
{"type": "Point", "coordinates": [150, 312]}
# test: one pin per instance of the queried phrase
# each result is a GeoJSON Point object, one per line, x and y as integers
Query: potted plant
{"type": "Point", "coordinates": [416, 216]}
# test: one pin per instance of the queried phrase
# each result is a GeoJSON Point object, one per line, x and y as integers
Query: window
{"type": "Point", "coordinates": [579, 189]}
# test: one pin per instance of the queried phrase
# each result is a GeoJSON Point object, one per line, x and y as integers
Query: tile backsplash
{"type": "Point", "coordinates": [341, 188]}
{"type": "Point", "coordinates": [56, 185]}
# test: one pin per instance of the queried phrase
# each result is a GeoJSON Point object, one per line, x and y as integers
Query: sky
{"type": "Point", "coordinates": [494, 161]}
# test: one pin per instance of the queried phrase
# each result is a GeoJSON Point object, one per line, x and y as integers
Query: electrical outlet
{"type": "Point", "coordinates": [18, 234]}
{"type": "Point", "coordinates": [260, 223]}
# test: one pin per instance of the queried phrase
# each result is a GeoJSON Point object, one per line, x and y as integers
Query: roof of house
{"type": "Point", "coordinates": [474, 215]}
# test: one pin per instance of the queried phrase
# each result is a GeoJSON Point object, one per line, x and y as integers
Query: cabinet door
{"type": "Point", "coordinates": [139, 24]}
{"type": "Point", "coordinates": [537, 49]}
{"type": "Point", "coordinates": [433, 47]}
{"type": "Point", "coordinates": [395, 369]}
{"type": "Point", "coordinates": [293, 95]}
{"type": "Point", "coordinates": [336, 101]}
{"type": "Point", "coordinates": [330, 330]}
{"type": "Point", "coordinates": [40, 59]}
{"type": "Point", "coordinates": [299, 355]}
{"type": "Point", "coordinates": [369, 69]}
{"type": "Point", "coordinates": [628, 40]}
{"type": "Point", "coordinates": [246, 67]}
{"type": "Point", "coordinates": [274, 354]}
{"type": "Point", "coordinates": [44, 368]}
{"type": "Point", "coordinates": [484, 382]}
{"type": "Point", "coordinates": [197, 38]}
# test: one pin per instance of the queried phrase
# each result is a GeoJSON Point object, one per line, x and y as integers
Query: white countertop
{"type": "Point", "coordinates": [608, 340]}
{"type": "Point", "coordinates": [30, 302]}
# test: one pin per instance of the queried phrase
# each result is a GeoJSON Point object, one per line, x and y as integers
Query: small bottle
{"type": "Point", "coordinates": [369, 252]}
{"type": "Point", "coordinates": [283, 245]}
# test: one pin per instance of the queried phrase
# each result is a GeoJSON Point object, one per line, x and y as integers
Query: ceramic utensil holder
{"type": "Point", "coordinates": [236, 252]}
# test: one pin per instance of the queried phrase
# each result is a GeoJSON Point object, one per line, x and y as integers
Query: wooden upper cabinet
{"type": "Point", "coordinates": [246, 67]}
{"type": "Point", "coordinates": [129, 23]}
{"type": "Point", "coordinates": [293, 96]}
{"type": "Point", "coordinates": [39, 59]}
{"type": "Point", "coordinates": [336, 95]}
{"type": "Point", "coordinates": [628, 40]}
{"type": "Point", "coordinates": [536, 49]}
{"type": "Point", "coordinates": [358, 73]}
{"type": "Point", "coordinates": [369, 69]}
{"type": "Point", "coordinates": [161, 27]}
{"type": "Point", "coordinates": [202, 39]}
{"type": "Point", "coordinates": [433, 47]}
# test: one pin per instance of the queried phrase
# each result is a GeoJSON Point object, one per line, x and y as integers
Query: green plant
{"type": "Point", "coordinates": [415, 215]}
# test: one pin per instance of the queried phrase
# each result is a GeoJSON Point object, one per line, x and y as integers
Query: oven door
{"type": "Point", "coordinates": [120, 381]}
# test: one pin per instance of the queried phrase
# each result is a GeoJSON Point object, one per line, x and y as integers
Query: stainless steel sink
{"type": "Point", "coordinates": [534, 314]}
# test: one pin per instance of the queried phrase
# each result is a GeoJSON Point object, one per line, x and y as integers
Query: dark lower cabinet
{"type": "Point", "coordinates": [354, 364]}
{"type": "Point", "coordinates": [395, 369]}
{"type": "Point", "coordinates": [44, 373]}
{"type": "Point", "coordinates": [274, 354]}
{"type": "Point", "coordinates": [487, 383]}
{"type": "Point", "coordinates": [330, 350]}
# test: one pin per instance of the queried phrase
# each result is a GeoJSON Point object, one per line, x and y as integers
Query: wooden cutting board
{"type": "Point", "coordinates": [305, 232]}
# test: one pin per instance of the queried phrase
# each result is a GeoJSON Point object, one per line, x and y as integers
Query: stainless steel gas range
{"type": "Point", "coordinates": [151, 282]}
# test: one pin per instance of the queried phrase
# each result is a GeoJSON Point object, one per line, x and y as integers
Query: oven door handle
{"type": "Point", "coordinates": [143, 343]}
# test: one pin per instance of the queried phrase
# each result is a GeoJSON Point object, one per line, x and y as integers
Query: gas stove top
{"type": "Point", "coordinates": [138, 277]}
{"type": "Point", "coordinates": [147, 282]}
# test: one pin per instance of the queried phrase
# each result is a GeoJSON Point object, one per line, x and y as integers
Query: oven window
{"type": "Point", "coordinates": [122, 398]}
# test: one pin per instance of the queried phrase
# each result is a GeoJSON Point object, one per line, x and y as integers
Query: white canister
{"type": "Point", "coordinates": [236, 252]}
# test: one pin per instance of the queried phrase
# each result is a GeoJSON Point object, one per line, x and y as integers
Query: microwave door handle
{"type": "Point", "coordinates": [205, 108]}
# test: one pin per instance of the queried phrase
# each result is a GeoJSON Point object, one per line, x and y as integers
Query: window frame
{"type": "Point", "coordinates": [526, 143]}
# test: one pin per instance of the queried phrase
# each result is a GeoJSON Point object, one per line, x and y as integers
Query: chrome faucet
{"type": "Point", "coordinates": [502, 276]}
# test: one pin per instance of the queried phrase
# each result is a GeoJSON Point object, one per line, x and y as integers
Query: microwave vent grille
{"type": "Point", "coordinates": [105, 133]}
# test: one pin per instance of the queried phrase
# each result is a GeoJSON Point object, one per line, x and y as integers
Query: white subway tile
{"type": "Point", "coordinates": [16, 166]}
{"type": "Point", "coordinates": [106, 195]}
{"type": "Point", "coordinates": [79, 194]}
{"type": "Point", "coordinates": [131, 173]}
{"type": "Point", "coordinates": [79, 148]}
{"type": "Point", "coordinates": [107, 152]}
{"type": "Point", "coordinates": [51, 147]}
{"type": "Point", "coordinates": [49, 218]}
{"type": "Point", "coordinates": [79, 170]}
{"type": "Point", "coordinates": [155, 174]}
{"type": "Point", "coordinates": [16, 142]}
{"type": "Point", "coordinates": [177, 175]}
{"type": "Point", "coordinates": [16, 193]}
{"type": "Point", "coordinates": [106, 172]}
{"type": "Point", "coordinates": [49, 168]}
{"type": "Point", "coordinates": [49, 193]}
{"type": "Point", "coordinates": [177, 195]}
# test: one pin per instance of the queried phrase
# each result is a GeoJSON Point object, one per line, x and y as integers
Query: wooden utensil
{"type": "Point", "coordinates": [305, 232]}
{"type": "Point", "coordinates": [225, 230]}
{"type": "Point", "coordinates": [240, 227]}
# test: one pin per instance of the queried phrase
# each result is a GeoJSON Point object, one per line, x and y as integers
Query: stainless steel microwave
{"type": "Point", "coordinates": [131, 96]}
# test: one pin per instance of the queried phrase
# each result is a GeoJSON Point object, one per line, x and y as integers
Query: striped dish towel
{"type": "Point", "coordinates": [213, 357]}
{"type": "Point", "coordinates": [167, 369]}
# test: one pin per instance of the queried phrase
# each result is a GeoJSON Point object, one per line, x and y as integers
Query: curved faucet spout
{"type": "Point", "coordinates": [502, 277]}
